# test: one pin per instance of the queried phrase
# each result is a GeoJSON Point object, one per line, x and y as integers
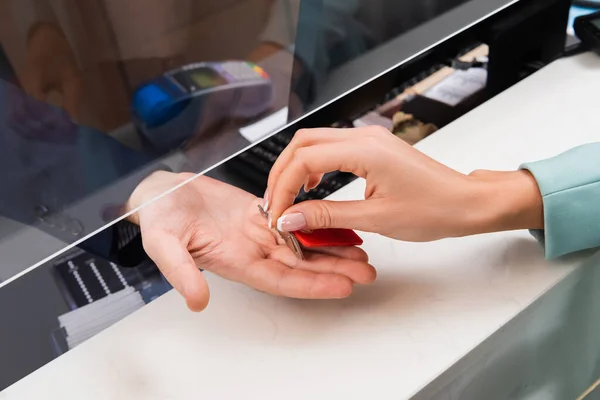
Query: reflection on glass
{"type": "Point", "coordinates": [88, 109]}
{"type": "Point", "coordinates": [207, 78]}
{"type": "Point", "coordinates": [96, 96]}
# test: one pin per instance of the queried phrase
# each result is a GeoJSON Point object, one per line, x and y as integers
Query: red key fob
{"type": "Point", "coordinates": [328, 238]}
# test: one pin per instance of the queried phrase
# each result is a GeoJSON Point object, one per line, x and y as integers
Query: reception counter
{"type": "Point", "coordinates": [483, 317]}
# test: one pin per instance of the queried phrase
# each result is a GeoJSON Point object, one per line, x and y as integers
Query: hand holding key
{"type": "Point", "coordinates": [409, 196]}
{"type": "Point", "coordinates": [216, 227]}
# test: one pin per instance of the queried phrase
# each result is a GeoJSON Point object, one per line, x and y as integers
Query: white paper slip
{"type": "Point", "coordinates": [458, 86]}
{"type": "Point", "coordinates": [86, 322]}
{"type": "Point", "coordinates": [373, 119]}
{"type": "Point", "coordinates": [260, 129]}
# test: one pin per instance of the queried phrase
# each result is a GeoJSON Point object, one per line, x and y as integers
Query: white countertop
{"type": "Point", "coordinates": [432, 303]}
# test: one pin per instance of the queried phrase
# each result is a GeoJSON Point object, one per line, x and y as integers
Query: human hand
{"type": "Point", "coordinates": [50, 65]}
{"type": "Point", "coordinates": [214, 226]}
{"type": "Point", "coordinates": [409, 196]}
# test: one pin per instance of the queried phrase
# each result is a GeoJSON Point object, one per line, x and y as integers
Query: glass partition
{"type": "Point", "coordinates": [97, 95]}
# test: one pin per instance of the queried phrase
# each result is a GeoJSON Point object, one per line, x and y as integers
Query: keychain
{"type": "Point", "coordinates": [289, 238]}
{"type": "Point", "coordinates": [317, 238]}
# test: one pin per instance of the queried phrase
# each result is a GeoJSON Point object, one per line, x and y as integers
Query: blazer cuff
{"type": "Point", "coordinates": [570, 188]}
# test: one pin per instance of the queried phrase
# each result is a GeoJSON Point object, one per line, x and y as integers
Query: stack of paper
{"type": "Point", "coordinates": [87, 321]}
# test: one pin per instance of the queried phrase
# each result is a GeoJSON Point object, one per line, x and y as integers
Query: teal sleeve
{"type": "Point", "coordinates": [570, 188]}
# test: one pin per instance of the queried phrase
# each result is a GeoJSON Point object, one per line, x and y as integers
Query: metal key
{"type": "Point", "coordinates": [289, 238]}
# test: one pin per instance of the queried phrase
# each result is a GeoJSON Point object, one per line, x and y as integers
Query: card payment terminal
{"type": "Point", "coordinates": [173, 107]}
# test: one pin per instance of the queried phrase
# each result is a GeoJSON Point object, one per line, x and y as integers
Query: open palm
{"type": "Point", "coordinates": [216, 227]}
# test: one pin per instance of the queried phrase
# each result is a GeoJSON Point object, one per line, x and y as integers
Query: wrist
{"type": "Point", "coordinates": [142, 193]}
{"type": "Point", "coordinates": [505, 201]}
{"type": "Point", "coordinates": [154, 185]}
{"type": "Point", "coordinates": [133, 217]}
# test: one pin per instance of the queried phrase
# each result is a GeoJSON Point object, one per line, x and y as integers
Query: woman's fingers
{"type": "Point", "coordinates": [304, 138]}
{"type": "Point", "coordinates": [273, 277]}
{"type": "Point", "coordinates": [308, 161]}
{"type": "Point", "coordinates": [362, 215]}
{"type": "Point", "coordinates": [357, 270]}
{"type": "Point", "coordinates": [312, 182]}
{"type": "Point", "coordinates": [349, 252]}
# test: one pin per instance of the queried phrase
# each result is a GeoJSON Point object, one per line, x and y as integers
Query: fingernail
{"type": "Point", "coordinates": [270, 222]}
{"type": "Point", "coordinates": [291, 222]}
{"type": "Point", "coordinates": [266, 199]}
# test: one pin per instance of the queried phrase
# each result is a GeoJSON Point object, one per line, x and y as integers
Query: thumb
{"type": "Point", "coordinates": [323, 214]}
{"type": "Point", "coordinates": [178, 267]}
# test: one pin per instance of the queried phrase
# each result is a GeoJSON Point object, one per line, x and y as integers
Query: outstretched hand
{"type": "Point", "coordinates": [216, 227]}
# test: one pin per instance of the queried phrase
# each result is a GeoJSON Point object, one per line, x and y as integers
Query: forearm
{"type": "Point", "coordinates": [126, 248]}
{"type": "Point", "coordinates": [505, 201]}
{"type": "Point", "coordinates": [121, 243]}
{"type": "Point", "coordinates": [557, 199]}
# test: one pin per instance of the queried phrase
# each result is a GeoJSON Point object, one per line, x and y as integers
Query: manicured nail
{"type": "Point", "coordinates": [291, 222]}
{"type": "Point", "coordinates": [266, 199]}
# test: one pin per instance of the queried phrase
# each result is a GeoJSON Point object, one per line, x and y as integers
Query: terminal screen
{"type": "Point", "coordinates": [206, 78]}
